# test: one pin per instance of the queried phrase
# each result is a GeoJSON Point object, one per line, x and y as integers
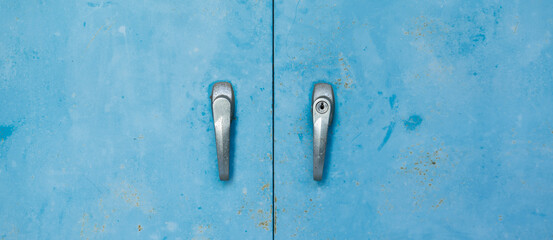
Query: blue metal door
{"type": "Point", "coordinates": [442, 124]}
{"type": "Point", "coordinates": [105, 119]}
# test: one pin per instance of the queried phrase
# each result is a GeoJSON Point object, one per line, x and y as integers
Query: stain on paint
{"type": "Point", "coordinates": [266, 186]}
{"type": "Point", "coordinates": [100, 4]}
{"type": "Point", "coordinates": [478, 38]}
{"type": "Point", "coordinates": [413, 122]}
{"type": "Point", "coordinates": [423, 28]}
{"type": "Point", "coordinates": [5, 132]}
{"type": "Point", "coordinates": [388, 134]}
{"type": "Point", "coordinates": [392, 100]}
{"type": "Point", "coordinates": [139, 228]}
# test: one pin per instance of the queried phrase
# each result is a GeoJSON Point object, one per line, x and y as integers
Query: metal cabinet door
{"type": "Point", "coordinates": [442, 125]}
{"type": "Point", "coordinates": [105, 119]}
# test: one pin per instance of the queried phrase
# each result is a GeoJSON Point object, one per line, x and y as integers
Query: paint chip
{"type": "Point", "coordinates": [171, 226]}
{"type": "Point", "coordinates": [123, 30]}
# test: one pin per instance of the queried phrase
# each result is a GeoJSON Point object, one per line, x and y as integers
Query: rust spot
{"type": "Point", "coordinates": [439, 203]}
{"type": "Point", "coordinates": [139, 228]}
{"type": "Point", "coordinates": [425, 169]}
{"type": "Point", "coordinates": [130, 194]}
{"type": "Point", "coordinates": [202, 228]}
{"type": "Point", "coordinates": [264, 225]}
{"type": "Point", "coordinates": [264, 187]}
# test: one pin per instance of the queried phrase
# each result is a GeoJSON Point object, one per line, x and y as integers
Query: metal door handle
{"type": "Point", "coordinates": [322, 108]}
{"type": "Point", "coordinates": [222, 105]}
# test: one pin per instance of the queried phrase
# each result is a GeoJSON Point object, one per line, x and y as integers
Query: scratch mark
{"type": "Point", "coordinates": [359, 134]}
{"type": "Point", "coordinates": [438, 204]}
{"type": "Point", "coordinates": [293, 22]}
{"type": "Point", "coordinates": [93, 184]}
{"type": "Point", "coordinates": [388, 134]}
{"type": "Point", "coordinates": [96, 34]}
{"type": "Point", "coordinates": [296, 12]}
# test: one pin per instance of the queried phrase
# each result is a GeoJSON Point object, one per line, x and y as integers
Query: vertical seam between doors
{"type": "Point", "coordinates": [273, 115]}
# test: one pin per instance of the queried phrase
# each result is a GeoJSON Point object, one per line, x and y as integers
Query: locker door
{"type": "Point", "coordinates": [106, 126]}
{"type": "Point", "coordinates": [442, 123]}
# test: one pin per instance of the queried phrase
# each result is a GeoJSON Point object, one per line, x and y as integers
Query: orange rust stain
{"type": "Point", "coordinates": [263, 218]}
{"type": "Point", "coordinates": [264, 187]}
{"type": "Point", "coordinates": [139, 228]}
{"type": "Point", "coordinates": [439, 203]}
{"type": "Point", "coordinates": [264, 225]}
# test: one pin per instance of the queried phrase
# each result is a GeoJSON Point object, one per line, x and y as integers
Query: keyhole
{"type": "Point", "coordinates": [321, 107]}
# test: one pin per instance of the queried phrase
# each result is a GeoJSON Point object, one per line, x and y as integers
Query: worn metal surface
{"type": "Point", "coordinates": [322, 110]}
{"type": "Point", "coordinates": [442, 125]}
{"type": "Point", "coordinates": [106, 126]}
{"type": "Point", "coordinates": [222, 105]}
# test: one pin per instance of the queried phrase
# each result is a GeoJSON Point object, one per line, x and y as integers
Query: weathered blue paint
{"type": "Point", "coordinates": [112, 128]}
{"type": "Point", "coordinates": [413, 122]}
{"type": "Point", "coordinates": [441, 127]}
{"type": "Point", "coordinates": [469, 87]}
{"type": "Point", "coordinates": [5, 132]}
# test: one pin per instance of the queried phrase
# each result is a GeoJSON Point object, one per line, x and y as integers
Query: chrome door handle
{"type": "Point", "coordinates": [323, 109]}
{"type": "Point", "coordinates": [222, 106]}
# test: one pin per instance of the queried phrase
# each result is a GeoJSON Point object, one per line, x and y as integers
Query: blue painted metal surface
{"type": "Point", "coordinates": [105, 121]}
{"type": "Point", "coordinates": [443, 122]}
{"type": "Point", "coordinates": [441, 130]}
